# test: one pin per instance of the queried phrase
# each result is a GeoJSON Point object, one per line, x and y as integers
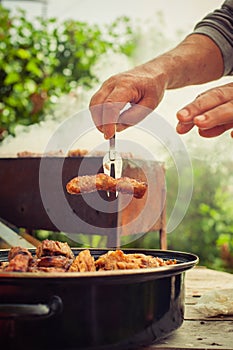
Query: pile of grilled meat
{"type": "Point", "coordinates": [54, 256]}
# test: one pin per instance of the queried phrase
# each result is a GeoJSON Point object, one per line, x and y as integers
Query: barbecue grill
{"type": "Point", "coordinates": [22, 203]}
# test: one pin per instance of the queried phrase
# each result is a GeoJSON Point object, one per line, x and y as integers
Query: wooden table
{"type": "Point", "coordinates": [197, 331]}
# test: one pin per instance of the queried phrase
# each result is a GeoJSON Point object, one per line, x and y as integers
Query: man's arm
{"type": "Point", "coordinates": [196, 60]}
{"type": "Point", "coordinates": [212, 111]}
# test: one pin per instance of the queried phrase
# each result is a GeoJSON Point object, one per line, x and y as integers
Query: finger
{"type": "Point", "coordinates": [97, 101]}
{"type": "Point", "coordinates": [183, 128]}
{"type": "Point", "coordinates": [140, 108]}
{"type": "Point", "coordinates": [96, 114]}
{"type": "Point", "coordinates": [135, 114]}
{"type": "Point", "coordinates": [206, 101]}
{"type": "Point", "coordinates": [104, 91]}
{"type": "Point", "coordinates": [215, 131]}
{"type": "Point", "coordinates": [114, 97]}
{"type": "Point", "coordinates": [110, 116]}
{"type": "Point", "coordinates": [132, 116]}
{"type": "Point", "coordinates": [220, 115]}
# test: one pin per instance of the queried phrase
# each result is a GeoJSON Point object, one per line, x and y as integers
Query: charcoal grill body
{"type": "Point", "coordinates": [22, 204]}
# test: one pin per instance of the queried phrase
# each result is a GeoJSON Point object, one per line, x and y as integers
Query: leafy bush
{"type": "Point", "coordinates": [43, 60]}
{"type": "Point", "coordinates": [207, 225]}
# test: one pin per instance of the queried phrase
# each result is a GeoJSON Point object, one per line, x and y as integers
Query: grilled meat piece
{"type": "Point", "coordinates": [53, 248]}
{"type": "Point", "coordinates": [18, 250]}
{"type": "Point", "coordinates": [3, 265]}
{"type": "Point", "coordinates": [19, 259]}
{"type": "Point", "coordinates": [77, 153]}
{"type": "Point", "coordinates": [104, 182]}
{"type": "Point", "coordinates": [114, 260]}
{"type": "Point", "coordinates": [54, 256]}
{"type": "Point", "coordinates": [90, 183]}
{"type": "Point", "coordinates": [145, 261]}
{"type": "Point", "coordinates": [19, 263]}
{"type": "Point", "coordinates": [27, 154]}
{"type": "Point", "coordinates": [117, 260]}
{"type": "Point", "coordinates": [131, 186]}
{"type": "Point", "coordinates": [83, 262]}
{"type": "Point", "coordinates": [54, 261]}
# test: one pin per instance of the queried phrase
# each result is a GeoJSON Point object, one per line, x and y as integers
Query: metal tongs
{"type": "Point", "coordinates": [112, 162]}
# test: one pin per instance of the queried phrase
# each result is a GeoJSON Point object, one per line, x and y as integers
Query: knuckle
{"type": "Point", "coordinates": [231, 104]}
{"type": "Point", "coordinates": [212, 97]}
{"type": "Point", "coordinates": [109, 82]}
{"type": "Point", "coordinates": [115, 80]}
{"type": "Point", "coordinates": [196, 107]}
{"type": "Point", "coordinates": [109, 103]}
{"type": "Point", "coordinates": [118, 83]}
{"type": "Point", "coordinates": [219, 94]}
{"type": "Point", "coordinates": [230, 85]}
{"type": "Point", "coordinates": [93, 100]}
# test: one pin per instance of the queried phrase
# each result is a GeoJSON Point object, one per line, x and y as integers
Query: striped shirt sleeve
{"type": "Point", "coordinates": [218, 25]}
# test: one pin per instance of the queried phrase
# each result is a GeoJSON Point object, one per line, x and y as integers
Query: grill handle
{"type": "Point", "coordinates": [32, 311]}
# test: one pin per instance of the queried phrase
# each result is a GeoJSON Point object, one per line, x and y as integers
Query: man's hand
{"type": "Point", "coordinates": [142, 87]}
{"type": "Point", "coordinates": [211, 112]}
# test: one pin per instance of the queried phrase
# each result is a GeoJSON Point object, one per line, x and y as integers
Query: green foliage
{"type": "Point", "coordinates": [46, 59]}
{"type": "Point", "coordinates": [83, 240]}
{"type": "Point", "coordinates": [209, 215]}
{"type": "Point", "coordinates": [208, 224]}
{"type": "Point", "coordinates": [226, 238]}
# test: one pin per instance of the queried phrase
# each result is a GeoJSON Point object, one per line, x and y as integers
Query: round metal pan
{"type": "Point", "coordinates": [122, 309]}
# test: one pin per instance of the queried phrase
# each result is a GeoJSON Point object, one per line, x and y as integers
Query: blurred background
{"type": "Point", "coordinates": [54, 54]}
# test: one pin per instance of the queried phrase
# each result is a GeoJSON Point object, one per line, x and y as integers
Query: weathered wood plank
{"type": "Point", "coordinates": [12, 238]}
{"type": "Point", "coordinates": [191, 299]}
{"type": "Point", "coordinates": [200, 279]}
{"type": "Point", "coordinates": [199, 335]}
{"type": "Point", "coordinates": [192, 314]}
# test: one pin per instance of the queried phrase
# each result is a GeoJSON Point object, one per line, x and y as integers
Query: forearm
{"type": "Point", "coordinates": [195, 60]}
{"type": "Point", "coordinates": [203, 56]}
